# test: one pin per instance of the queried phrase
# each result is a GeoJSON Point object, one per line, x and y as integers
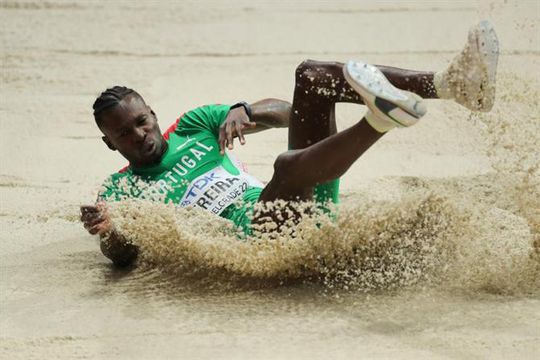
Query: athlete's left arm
{"type": "Point", "coordinates": [270, 113]}
{"type": "Point", "coordinates": [265, 114]}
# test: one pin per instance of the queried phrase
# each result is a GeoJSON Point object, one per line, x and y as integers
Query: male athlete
{"type": "Point", "coordinates": [189, 166]}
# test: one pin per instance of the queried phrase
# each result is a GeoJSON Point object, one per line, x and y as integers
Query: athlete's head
{"type": "Point", "coordinates": [129, 126]}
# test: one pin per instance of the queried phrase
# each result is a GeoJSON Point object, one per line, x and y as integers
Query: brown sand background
{"type": "Point", "coordinates": [61, 299]}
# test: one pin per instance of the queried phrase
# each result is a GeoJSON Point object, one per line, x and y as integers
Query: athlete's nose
{"type": "Point", "coordinates": [140, 134]}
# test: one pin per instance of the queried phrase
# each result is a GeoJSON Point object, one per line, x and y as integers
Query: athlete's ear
{"type": "Point", "coordinates": [108, 142]}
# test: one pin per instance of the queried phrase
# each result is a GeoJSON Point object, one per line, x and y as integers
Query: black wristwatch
{"type": "Point", "coordinates": [246, 107]}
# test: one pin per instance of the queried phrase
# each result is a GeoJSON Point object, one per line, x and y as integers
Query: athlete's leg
{"type": "Point", "coordinates": [296, 172]}
{"type": "Point", "coordinates": [319, 154]}
{"type": "Point", "coordinates": [418, 82]}
{"type": "Point", "coordinates": [320, 85]}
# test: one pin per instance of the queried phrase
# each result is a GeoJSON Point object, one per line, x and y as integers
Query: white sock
{"type": "Point", "coordinates": [441, 86]}
{"type": "Point", "coordinates": [380, 125]}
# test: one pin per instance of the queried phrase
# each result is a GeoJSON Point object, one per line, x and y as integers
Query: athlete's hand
{"type": "Point", "coordinates": [96, 219]}
{"type": "Point", "coordinates": [236, 122]}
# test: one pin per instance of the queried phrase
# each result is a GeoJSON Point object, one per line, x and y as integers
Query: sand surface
{"type": "Point", "coordinates": [478, 175]}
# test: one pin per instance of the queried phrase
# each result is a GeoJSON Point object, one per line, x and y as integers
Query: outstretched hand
{"type": "Point", "coordinates": [95, 219]}
{"type": "Point", "coordinates": [234, 125]}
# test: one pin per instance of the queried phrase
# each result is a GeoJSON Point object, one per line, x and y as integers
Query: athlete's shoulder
{"type": "Point", "coordinates": [171, 129]}
{"type": "Point", "coordinates": [209, 109]}
{"type": "Point", "coordinates": [206, 117]}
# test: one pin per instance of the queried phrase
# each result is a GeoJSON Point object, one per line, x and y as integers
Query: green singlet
{"type": "Point", "coordinates": [192, 172]}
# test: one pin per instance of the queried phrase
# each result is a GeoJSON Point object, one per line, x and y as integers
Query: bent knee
{"type": "Point", "coordinates": [306, 69]}
{"type": "Point", "coordinates": [310, 73]}
{"type": "Point", "coordinates": [309, 66]}
{"type": "Point", "coordinates": [286, 169]}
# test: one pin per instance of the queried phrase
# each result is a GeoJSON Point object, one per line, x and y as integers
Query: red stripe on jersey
{"type": "Point", "coordinates": [172, 128]}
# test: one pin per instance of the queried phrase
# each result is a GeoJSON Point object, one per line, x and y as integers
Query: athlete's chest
{"type": "Point", "coordinates": [188, 154]}
{"type": "Point", "coordinates": [194, 173]}
{"type": "Point", "coordinates": [187, 157]}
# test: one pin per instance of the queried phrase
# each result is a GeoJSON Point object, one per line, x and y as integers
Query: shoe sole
{"type": "Point", "coordinates": [488, 46]}
{"type": "Point", "coordinates": [401, 107]}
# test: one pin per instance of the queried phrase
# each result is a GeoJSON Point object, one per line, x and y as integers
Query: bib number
{"type": "Point", "coordinates": [217, 189]}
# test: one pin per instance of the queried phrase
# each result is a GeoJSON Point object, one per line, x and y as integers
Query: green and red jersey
{"type": "Point", "coordinates": [192, 172]}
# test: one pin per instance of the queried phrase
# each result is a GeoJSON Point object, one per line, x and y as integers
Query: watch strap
{"type": "Point", "coordinates": [246, 107]}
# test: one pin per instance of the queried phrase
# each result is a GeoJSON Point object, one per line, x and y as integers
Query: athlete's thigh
{"type": "Point", "coordinates": [312, 116]}
{"type": "Point", "coordinates": [312, 120]}
{"type": "Point", "coordinates": [278, 190]}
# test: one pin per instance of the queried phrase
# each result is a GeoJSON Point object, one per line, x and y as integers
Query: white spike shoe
{"type": "Point", "coordinates": [389, 107]}
{"type": "Point", "coordinates": [470, 78]}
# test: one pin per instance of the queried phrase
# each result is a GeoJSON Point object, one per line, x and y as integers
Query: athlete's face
{"type": "Point", "coordinates": [131, 128]}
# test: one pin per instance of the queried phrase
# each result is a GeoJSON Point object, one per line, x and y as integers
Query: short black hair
{"type": "Point", "coordinates": [111, 98]}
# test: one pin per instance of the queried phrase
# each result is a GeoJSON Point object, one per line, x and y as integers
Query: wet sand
{"type": "Point", "coordinates": [60, 298]}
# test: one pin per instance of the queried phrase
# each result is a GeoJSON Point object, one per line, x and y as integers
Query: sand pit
{"type": "Point", "coordinates": [432, 255]}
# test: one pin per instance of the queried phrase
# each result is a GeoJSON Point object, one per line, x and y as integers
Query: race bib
{"type": "Point", "coordinates": [216, 189]}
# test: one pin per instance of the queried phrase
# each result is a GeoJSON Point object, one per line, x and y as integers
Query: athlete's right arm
{"type": "Point", "coordinates": [118, 249]}
{"type": "Point", "coordinates": [113, 244]}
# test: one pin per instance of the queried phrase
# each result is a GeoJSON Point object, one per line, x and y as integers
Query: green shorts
{"type": "Point", "coordinates": [241, 215]}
